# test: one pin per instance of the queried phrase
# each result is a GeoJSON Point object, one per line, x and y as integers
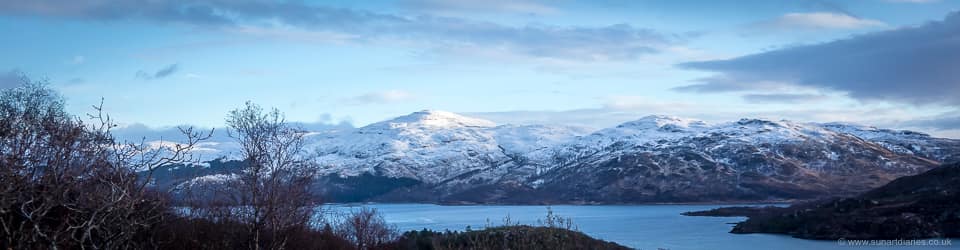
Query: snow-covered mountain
{"type": "Point", "coordinates": [431, 146]}
{"type": "Point", "coordinates": [659, 158]}
{"type": "Point", "coordinates": [437, 156]}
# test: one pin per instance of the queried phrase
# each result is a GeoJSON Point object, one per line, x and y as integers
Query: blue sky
{"type": "Point", "coordinates": [591, 63]}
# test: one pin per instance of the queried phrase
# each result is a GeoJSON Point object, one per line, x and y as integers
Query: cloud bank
{"type": "Point", "coordinates": [613, 42]}
{"type": "Point", "coordinates": [916, 65]}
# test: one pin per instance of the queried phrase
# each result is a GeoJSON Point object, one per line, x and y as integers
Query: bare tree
{"type": "Point", "coordinates": [274, 184]}
{"type": "Point", "coordinates": [366, 228]}
{"type": "Point", "coordinates": [65, 183]}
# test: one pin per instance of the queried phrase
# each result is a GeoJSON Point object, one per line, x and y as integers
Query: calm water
{"type": "Point", "coordinates": [637, 226]}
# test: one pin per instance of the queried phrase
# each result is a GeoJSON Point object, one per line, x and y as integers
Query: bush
{"type": "Point", "coordinates": [554, 232]}
{"type": "Point", "coordinates": [366, 229]}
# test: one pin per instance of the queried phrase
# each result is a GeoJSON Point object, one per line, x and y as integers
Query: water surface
{"type": "Point", "coordinates": [637, 226]}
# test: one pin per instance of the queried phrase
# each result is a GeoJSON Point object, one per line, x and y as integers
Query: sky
{"type": "Point", "coordinates": [157, 64]}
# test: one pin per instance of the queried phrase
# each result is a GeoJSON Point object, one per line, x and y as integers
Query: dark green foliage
{"type": "Point", "coordinates": [553, 232]}
{"type": "Point", "coordinates": [736, 211]}
{"type": "Point", "coordinates": [184, 233]}
{"type": "Point", "coordinates": [505, 237]}
{"type": "Point", "coordinates": [921, 206]}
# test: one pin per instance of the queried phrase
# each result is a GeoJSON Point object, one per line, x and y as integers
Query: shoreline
{"type": "Point", "coordinates": [723, 203]}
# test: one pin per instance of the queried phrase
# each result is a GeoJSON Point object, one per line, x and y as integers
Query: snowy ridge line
{"type": "Point", "coordinates": [434, 146]}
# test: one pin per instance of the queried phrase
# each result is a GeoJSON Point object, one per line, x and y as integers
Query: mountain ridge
{"type": "Point", "coordinates": [658, 158]}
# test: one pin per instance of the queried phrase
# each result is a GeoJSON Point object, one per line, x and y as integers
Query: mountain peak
{"type": "Point", "coordinates": [760, 122]}
{"type": "Point", "coordinates": [663, 121]}
{"type": "Point", "coordinates": [438, 118]}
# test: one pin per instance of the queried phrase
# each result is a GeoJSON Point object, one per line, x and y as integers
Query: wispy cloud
{"type": "Point", "coordinates": [642, 103]}
{"type": "Point", "coordinates": [611, 42]}
{"type": "Point", "coordinates": [76, 60]}
{"type": "Point", "coordinates": [945, 125]}
{"type": "Point", "coordinates": [220, 144]}
{"type": "Point", "coordinates": [946, 121]}
{"type": "Point", "coordinates": [161, 73]}
{"type": "Point", "coordinates": [76, 80]}
{"type": "Point", "coordinates": [381, 97]}
{"type": "Point", "coordinates": [728, 83]}
{"type": "Point", "coordinates": [916, 65]}
{"type": "Point", "coordinates": [815, 21]}
{"type": "Point", "coordinates": [913, 1]}
{"type": "Point", "coordinates": [783, 98]}
{"type": "Point", "coordinates": [510, 6]}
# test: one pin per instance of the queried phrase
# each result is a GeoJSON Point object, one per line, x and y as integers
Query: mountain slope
{"type": "Point", "coordinates": [671, 159]}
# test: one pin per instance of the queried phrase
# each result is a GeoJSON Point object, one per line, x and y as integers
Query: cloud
{"type": "Point", "coordinates": [110, 10]}
{"type": "Point", "coordinates": [913, 1]}
{"type": "Point", "coordinates": [11, 79]}
{"type": "Point", "coordinates": [642, 103]}
{"type": "Point", "coordinates": [161, 73]}
{"type": "Point", "coordinates": [76, 80]}
{"type": "Point", "coordinates": [468, 6]}
{"type": "Point", "coordinates": [612, 42]}
{"type": "Point", "coordinates": [723, 83]}
{"type": "Point", "coordinates": [816, 21]}
{"type": "Point", "coordinates": [614, 110]}
{"type": "Point", "coordinates": [76, 60]}
{"type": "Point", "coordinates": [381, 97]}
{"type": "Point", "coordinates": [942, 126]}
{"type": "Point", "coordinates": [915, 65]}
{"type": "Point", "coordinates": [593, 118]}
{"type": "Point", "coordinates": [945, 121]}
{"type": "Point", "coordinates": [219, 144]}
{"type": "Point", "coordinates": [783, 98]}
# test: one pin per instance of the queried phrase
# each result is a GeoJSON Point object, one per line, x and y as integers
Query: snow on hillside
{"type": "Point", "coordinates": [475, 160]}
{"type": "Point", "coordinates": [902, 141]}
{"type": "Point", "coordinates": [437, 146]}
{"type": "Point", "coordinates": [434, 146]}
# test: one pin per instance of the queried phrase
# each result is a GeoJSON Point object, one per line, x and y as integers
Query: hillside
{"type": "Point", "coordinates": [912, 207]}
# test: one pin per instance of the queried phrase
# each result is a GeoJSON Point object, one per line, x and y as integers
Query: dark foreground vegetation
{"type": "Point", "coordinates": [913, 207]}
{"type": "Point", "coordinates": [204, 234]}
{"type": "Point", "coordinates": [67, 183]}
{"type": "Point", "coordinates": [506, 237]}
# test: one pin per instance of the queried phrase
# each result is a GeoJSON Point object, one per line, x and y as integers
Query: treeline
{"type": "Point", "coordinates": [67, 183]}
